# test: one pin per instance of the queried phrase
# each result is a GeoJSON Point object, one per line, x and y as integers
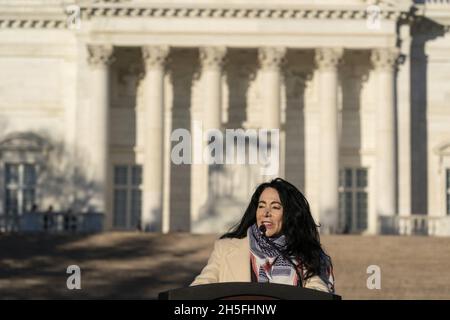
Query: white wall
{"type": "Point", "coordinates": [438, 121]}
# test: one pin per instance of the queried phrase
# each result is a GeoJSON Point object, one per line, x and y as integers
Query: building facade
{"type": "Point", "coordinates": [92, 91]}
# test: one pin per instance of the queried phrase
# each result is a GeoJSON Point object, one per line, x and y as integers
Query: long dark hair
{"type": "Point", "coordinates": [299, 227]}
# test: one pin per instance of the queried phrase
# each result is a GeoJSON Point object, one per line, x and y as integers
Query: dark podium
{"type": "Point", "coordinates": [245, 291]}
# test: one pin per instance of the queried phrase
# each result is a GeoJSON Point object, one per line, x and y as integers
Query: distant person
{"type": "Point", "coordinates": [276, 241]}
{"type": "Point", "coordinates": [139, 225]}
{"type": "Point", "coordinates": [49, 219]}
{"type": "Point", "coordinates": [34, 208]}
{"type": "Point", "coordinates": [70, 221]}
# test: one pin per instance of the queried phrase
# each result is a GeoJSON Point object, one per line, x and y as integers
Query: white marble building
{"type": "Point", "coordinates": [361, 98]}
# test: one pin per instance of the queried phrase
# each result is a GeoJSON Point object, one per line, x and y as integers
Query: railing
{"type": "Point", "coordinates": [418, 224]}
{"type": "Point", "coordinates": [52, 222]}
{"type": "Point", "coordinates": [434, 2]}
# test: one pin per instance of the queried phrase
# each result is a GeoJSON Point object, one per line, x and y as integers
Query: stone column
{"type": "Point", "coordinates": [327, 60]}
{"type": "Point", "coordinates": [384, 61]}
{"type": "Point", "coordinates": [404, 130]}
{"type": "Point", "coordinates": [153, 97]}
{"type": "Point", "coordinates": [271, 60]}
{"type": "Point", "coordinates": [211, 60]}
{"type": "Point", "coordinates": [99, 59]}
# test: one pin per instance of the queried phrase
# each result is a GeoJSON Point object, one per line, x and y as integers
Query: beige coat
{"type": "Point", "coordinates": [230, 262]}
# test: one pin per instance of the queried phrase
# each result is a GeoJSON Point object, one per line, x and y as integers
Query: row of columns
{"type": "Point", "coordinates": [271, 60]}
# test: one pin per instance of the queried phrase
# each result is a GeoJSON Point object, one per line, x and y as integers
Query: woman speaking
{"type": "Point", "coordinates": [276, 241]}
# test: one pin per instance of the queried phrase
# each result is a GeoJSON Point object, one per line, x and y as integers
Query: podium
{"type": "Point", "coordinates": [246, 291]}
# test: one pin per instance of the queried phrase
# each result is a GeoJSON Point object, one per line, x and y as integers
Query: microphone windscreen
{"type": "Point", "coordinates": [262, 228]}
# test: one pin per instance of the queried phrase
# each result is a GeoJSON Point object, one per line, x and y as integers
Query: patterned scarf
{"type": "Point", "coordinates": [268, 264]}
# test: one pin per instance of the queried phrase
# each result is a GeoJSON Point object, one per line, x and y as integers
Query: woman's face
{"type": "Point", "coordinates": [270, 212]}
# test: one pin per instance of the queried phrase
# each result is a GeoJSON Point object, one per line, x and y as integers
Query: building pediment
{"type": "Point", "coordinates": [443, 149]}
{"type": "Point", "coordinates": [23, 142]}
{"type": "Point", "coordinates": [350, 9]}
{"type": "Point", "coordinates": [55, 14]}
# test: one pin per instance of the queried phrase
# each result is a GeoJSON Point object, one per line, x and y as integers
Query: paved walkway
{"type": "Point", "coordinates": [139, 266]}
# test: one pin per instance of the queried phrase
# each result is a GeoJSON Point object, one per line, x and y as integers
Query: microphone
{"type": "Point", "coordinates": [263, 229]}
